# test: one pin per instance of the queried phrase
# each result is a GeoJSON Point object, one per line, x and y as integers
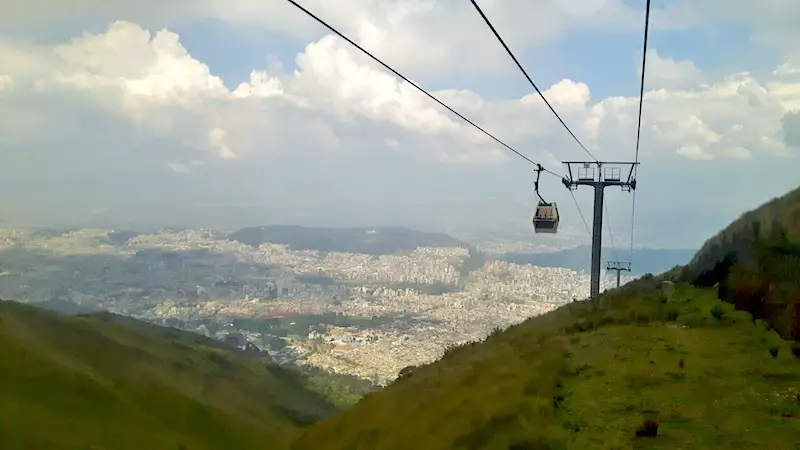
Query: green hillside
{"type": "Point", "coordinates": [781, 213]}
{"type": "Point", "coordinates": [755, 264]}
{"type": "Point", "coordinates": [106, 382]}
{"type": "Point", "coordinates": [588, 375]}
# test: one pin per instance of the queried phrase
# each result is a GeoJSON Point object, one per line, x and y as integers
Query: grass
{"type": "Point", "coordinates": [94, 383]}
{"type": "Point", "coordinates": [588, 376]}
{"type": "Point", "coordinates": [340, 390]}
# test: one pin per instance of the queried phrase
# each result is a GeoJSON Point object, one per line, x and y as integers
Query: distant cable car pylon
{"type": "Point", "coordinates": [619, 267]}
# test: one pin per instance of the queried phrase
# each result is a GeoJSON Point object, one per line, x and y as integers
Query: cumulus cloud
{"type": "Point", "coordinates": [387, 28]}
{"type": "Point", "coordinates": [136, 99]}
{"type": "Point", "coordinates": [666, 72]}
{"type": "Point", "coordinates": [152, 81]}
{"type": "Point", "coordinates": [391, 28]}
{"type": "Point", "coordinates": [179, 168]}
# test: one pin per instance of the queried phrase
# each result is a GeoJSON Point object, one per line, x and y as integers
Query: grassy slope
{"type": "Point", "coordinates": [585, 376]}
{"type": "Point", "coordinates": [85, 382]}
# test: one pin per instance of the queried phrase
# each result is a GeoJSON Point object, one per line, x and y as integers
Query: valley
{"type": "Point", "coordinates": [363, 314]}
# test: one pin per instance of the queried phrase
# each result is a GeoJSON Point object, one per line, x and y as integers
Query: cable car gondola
{"type": "Point", "coordinates": [545, 219]}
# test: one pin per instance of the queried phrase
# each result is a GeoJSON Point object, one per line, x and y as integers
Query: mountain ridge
{"type": "Point", "coordinates": [645, 261]}
{"type": "Point", "coordinates": [379, 240]}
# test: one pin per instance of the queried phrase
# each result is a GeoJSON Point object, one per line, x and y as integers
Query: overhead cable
{"type": "Point", "coordinates": [429, 95]}
{"type": "Point", "coordinates": [610, 232]}
{"type": "Point", "coordinates": [639, 121]}
{"type": "Point", "coordinates": [530, 80]}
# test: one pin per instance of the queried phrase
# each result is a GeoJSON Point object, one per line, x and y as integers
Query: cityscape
{"type": "Point", "coordinates": [367, 315]}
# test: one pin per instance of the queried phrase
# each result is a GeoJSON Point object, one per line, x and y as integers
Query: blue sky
{"type": "Point", "coordinates": [233, 52]}
{"type": "Point", "coordinates": [608, 62]}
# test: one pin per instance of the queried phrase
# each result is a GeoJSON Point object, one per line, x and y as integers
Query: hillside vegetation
{"type": "Point", "coordinates": [676, 363]}
{"type": "Point", "coordinates": [782, 213]}
{"type": "Point", "coordinates": [109, 382]}
{"type": "Point", "coordinates": [755, 264]}
{"type": "Point", "coordinates": [579, 258]}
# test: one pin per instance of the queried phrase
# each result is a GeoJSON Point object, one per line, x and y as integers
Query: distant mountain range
{"type": "Point", "coordinates": [375, 241]}
{"type": "Point", "coordinates": [644, 261]}
{"type": "Point", "coordinates": [388, 240]}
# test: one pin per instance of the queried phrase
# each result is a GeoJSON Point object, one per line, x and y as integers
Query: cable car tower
{"type": "Point", "coordinates": [599, 175]}
{"type": "Point", "coordinates": [618, 266]}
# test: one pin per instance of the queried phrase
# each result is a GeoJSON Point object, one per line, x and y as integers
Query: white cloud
{"type": "Point", "coordinates": [146, 68]}
{"type": "Point", "coordinates": [6, 83]}
{"type": "Point", "coordinates": [695, 152]}
{"type": "Point", "coordinates": [786, 69]}
{"type": "Point", "coordinates": [152, 80]}
{"type": "Point", "coordinates": [433, 28]}
{"type": "Point", "coordinates": [565, 93]}
{"type": "Point", "coordinates": [260, 85]}
{"type": "Point", "coordinates": [668, 73]}
{"type": "Point", "coordinates": [179, 168]}
{"type": "Point", "coordinates": [786, 92]}
{"type": "Point", "coordinates": [342, 121]}
{"type": "Point", "coordinates": [477, 157]}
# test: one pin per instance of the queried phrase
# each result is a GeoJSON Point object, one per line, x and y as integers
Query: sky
{"type": "Point", "coordinates": [232, 113]}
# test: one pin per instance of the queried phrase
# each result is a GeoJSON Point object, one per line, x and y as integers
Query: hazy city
{"type": "Point", "coordinates": [368, 315]}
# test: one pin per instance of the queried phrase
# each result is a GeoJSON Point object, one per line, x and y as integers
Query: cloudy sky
{"type": "Point", "coordinates": [240, 112]}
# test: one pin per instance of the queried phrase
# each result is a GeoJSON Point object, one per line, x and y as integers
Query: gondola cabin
{"type": "Point", "coordinates": [545, 219]}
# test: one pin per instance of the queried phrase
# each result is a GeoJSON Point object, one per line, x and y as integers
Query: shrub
{"type": "Point", "coordinates": [605, 320]}
{"type": "Point", "coordinates": [450, 350]}
{"type": "Point", "coordinates": [648, 428]}
{"type": "Point", "coordinates": [406, 372]}
{"type": "Point", "coordinates": [718, 312]}
{"type": "Point", "coordinates": [495, 331]}
{"type": "Point", "coordinates": [530, 444]}
{"type": "Point", "coordinates": [580, 326]}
